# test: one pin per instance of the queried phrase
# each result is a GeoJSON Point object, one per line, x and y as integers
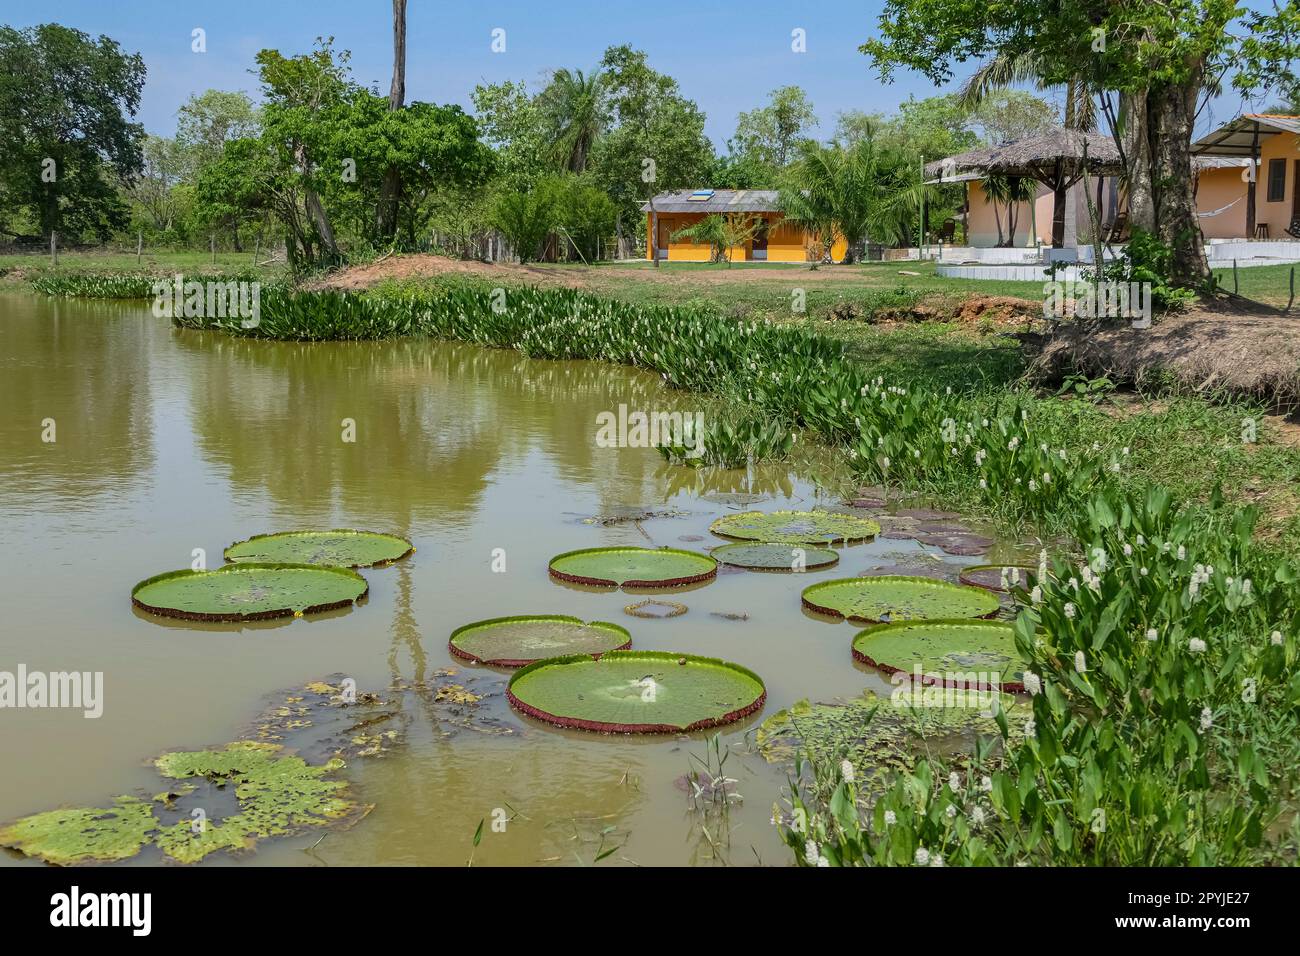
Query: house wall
{"type": "Point", "coordinates": [1277, 214]}
{"type": "Point", "coordinates": [981, 223]}
{"type": "Point", "coordinates": [786, 242]}
{"type": "Point", "coordinates": [1217, 188]}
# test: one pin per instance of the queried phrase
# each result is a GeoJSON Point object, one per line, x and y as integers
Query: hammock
{"type": "Point", "coordinates": [1215, 212]}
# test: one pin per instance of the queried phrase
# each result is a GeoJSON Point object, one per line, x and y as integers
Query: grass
{"type": "Point", "coordinates": [19, 267]}
{"type": "Point", "coordinates": [1270, 285]}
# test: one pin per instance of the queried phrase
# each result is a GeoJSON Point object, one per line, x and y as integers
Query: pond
{"type": "Point", "coordinates": [169, 441]}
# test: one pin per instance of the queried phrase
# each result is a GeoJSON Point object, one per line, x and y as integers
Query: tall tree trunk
{"type": "Point", "coordinates": [1136, 136]}
{"type": "Point", "coordinates": [391, 189]}
{"type": "Point", "coordinates": [1177, 225]}
{"type": "Point", "coordinates": [315, 209]}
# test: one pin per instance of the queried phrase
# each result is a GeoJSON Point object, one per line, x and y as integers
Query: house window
{"type": "Point", "coordinates": [1276, 179]}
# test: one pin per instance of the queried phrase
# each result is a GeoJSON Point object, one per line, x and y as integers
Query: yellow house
{"type": "Point", "coordinates": [773, 240]}
{"type": "Point", "coordinates": [1271, 197]}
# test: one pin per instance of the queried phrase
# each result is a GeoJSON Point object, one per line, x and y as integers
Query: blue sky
{"type": "Point", "coordinates": [727, 55]}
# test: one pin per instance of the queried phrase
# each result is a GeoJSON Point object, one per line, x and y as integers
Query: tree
{"type": "Point", "coordinates": [574, 110]}
{"type": "Point", "coordinates": [772, 133]}
{"type": "Point", "coordinates": [206, 122]}
{"type": "Point", "coordinates": [386, 209]}
{"type": "Point", "coordinates": [1159, 58]}
{"type": "Point", "coordinates": [864, 191]}
{"type": "Point", "coordinates": [526, 217]}
{"type": "Point", "coordinates": [1009, 192]}
{"type": "Point", "coordinates": [1007, 115]}
{"type": "Point", "coordinates": [722, 233]}
{"type": "Point", "coordinates": [65, 99]}
{"type": "Point", "coordinates": [586, 215]}
{"type": "Point", "coordinates": [165, 164]}
{"type": "Point", "coordinates": [513, 126]}
{"type": "Point", "coordinates": [993, 77]}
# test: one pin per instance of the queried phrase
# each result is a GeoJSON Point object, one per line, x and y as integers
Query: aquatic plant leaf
{"type": "Point", "coordinates": [248, 592]}
{"type": "Point", "coordinates": [633, 567]}
{"type": "Point", "coordinates": [278, 794]}
{"type": "Point", "coordinates": [998, 577]}
{"type": "Point", "coordinates": [637, 692]}
{"type": "Point", "coordinates": [775, 557]}
{"type": "Point", "coordinates": [655, 610]}
{"type": "Point", "coordinates": [75, 835]}
{"type": "Point", "coordinates": [340, 548]}
{"type": "Point", "coordinates": [795, 527]}
{"type": "Point", "coordinates": [950, 652]}
{"type": "Point", "coordinates": [898, 598]}
{"type": "Point", "coordinates": [516, 641]}
{"type": "Point", "coordinates": [879, 736]}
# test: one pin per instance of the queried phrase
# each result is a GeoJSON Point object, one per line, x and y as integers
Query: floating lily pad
{"type": "Point", "coordinates": [952, 653]}
{"type": "Point", "coordinates": [636, 692]}
{"type": "Point", "coordinates": [516, 641]}
{"type": "Point", "coordinates": [898, 598]}
{"type": "Point", "coordinates": [248, 592]}
{"type": "Point", "coordinates": [879, 735]}
{"type": "Point", "coordinates": [633, 567]}
{"type": "Point", "coordinates": [795, 527]}
{"type": "Point", "coordinates": [998, 577]}
{"type": "Point", "coordinates": [341, 548]}
{"type": "Point", "coordinates": [961, 543]}
{"type": "Point", "coordinates": [277, 795]}
{"type": "Point", "coordinates": [656, 610]}
{"type": "Point", "coordinates": [76, 835]}
{"type": "Point", "coordinates": [775, 557]}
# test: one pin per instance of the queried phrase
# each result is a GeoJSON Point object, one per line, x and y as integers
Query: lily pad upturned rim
{"type": "Point", "coordinates": [968, 569]}
{"type": "Point", "coordinates": [832, 612]}
{"type": "Point", "coordinates": [241, 567]}
{"type": "Point", "coordinates": [1012, 687]}
{"type": "Point", "coordinates": [719, 553]}
{"type": "Point", "coordinates": [676, 582]}
{"type": "Point", "coordinates": [410, 548]}
{"type": "Point", "coordinates": [600, 726]}
{"type": "Point", "coordinates": [518, 618]}
{"type": "Point", "coordinates": [825, 540]}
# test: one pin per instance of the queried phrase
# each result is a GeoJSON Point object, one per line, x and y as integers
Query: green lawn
{"type": "Point", "coordinates": [1268, 284]}
{"type": "Point", "coordinates": [159, 261]}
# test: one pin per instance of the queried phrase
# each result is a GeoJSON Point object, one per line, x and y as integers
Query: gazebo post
{"type": "Point", "coordinates": [1059, 196]}
{"type": "Point", "coordinates": [1250, 187]}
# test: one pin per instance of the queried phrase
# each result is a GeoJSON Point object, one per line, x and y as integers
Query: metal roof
{"type": "Point", "coordinates": [722, 200]}
{"type": "Point", "coordinates": [1237, 137]}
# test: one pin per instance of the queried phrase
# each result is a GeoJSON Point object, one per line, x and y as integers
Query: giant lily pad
{"type": "Point", "coordinates": [277, 795]}
{"type": "Point", "coordinates": [633, 567]}
{"type": "Point", "coordinates": [897, 598]}
{"type": "Point", "coordinates": [775, 557]}
{"type": "Point", "coordinates": [516, 641]}
{"type": "Point", "coordinates": [341, 548]}
{"type": "Point", "coordinates": [951, 653]}
{"type": "Point", "coordinates": [248, 592]}
{"type": "Point", "coordinates": [636, 692]}
{"type": "Point", "coordinates": [77, 835]}
{"type": "Point", "coordinates": [998, 577]}
{"type": "Point", "coordinates": [795, 527]}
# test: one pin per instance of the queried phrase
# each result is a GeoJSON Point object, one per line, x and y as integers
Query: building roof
{"type": "Point", "coordinates": [716, 200]}
{"type": "Point", "coordinates": [1237, 137]}
{"type": "Point", "coordinates": [1054, 156]}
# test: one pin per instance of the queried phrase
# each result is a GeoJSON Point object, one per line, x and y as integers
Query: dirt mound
{"type": "Point", "coordinates": [1217, 347]}
{"type": "Point", "coordinates": [424, 266]}
{"type": "Point", "coordinates": [1000, 309]}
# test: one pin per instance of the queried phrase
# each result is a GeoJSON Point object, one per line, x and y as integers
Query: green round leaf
{"type": "Point", "coordinates": [340, 548]}
{"type": "Point", "coordinates": [636, 692]}
{"type": "Point", "coordinates": [248, 592]}
{"type": "Point", "coordinates": [633, 567]}
{"type": "Point", "coordinates": [774, 557]}
{"type": "Point", "coordinates": [951, 653]}
{"type": "Point", "coordinates": [795, 527]}
{"type": "Point", "coordinates": [998, 577]}
{"type": "Point", "coordinates": [898, 598]}
{"type": "Point", "coordinates": [516, 641]}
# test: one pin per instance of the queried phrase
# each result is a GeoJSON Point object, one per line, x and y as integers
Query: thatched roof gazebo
{"type": "Point", "coordinates": [1057, 158]}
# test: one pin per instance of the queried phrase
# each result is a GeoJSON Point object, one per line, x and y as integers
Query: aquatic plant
{"type": "Point", "coordinates": [633, 567]}
{"type": "Point", "coordinates": [795, 527]}
{"type": "Point", "coordinates": [897, 597]}
{"type": "Point", "coordinates": [775, 557]}
{"type": "Point", "coordinates": [79, 835]}
{"type": "Point", "coordinates": [636, 692]}
{"type": "Point", "coordinates": [1002, 578]}
{"type": "Point", "coordinates": [249, 592]}
{"type": "Point", "coordinates": [342, 547]}
{"type": "Point", "coordinates": [956, 653]}
{"type": "Point", "coordinates": [520, 640]}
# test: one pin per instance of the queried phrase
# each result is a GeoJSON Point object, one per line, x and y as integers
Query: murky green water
{"type": "Point", "coordinates": [169, 441]}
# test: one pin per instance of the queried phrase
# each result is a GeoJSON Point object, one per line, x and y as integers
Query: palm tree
{"type": "Point", "coordinates": [1003, 71]}
{"type": "Point", "coordinates": [865, 190]}
{"type": "Point", "coordinates": [391, 189]}
{"type": "Point", "coordinates": [576, 112]}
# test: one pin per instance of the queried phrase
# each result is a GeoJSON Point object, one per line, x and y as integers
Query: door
{"type": "Point", "coordinates": [758, 244]}
{"type": "Point", "coordinates": [665, 232]}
